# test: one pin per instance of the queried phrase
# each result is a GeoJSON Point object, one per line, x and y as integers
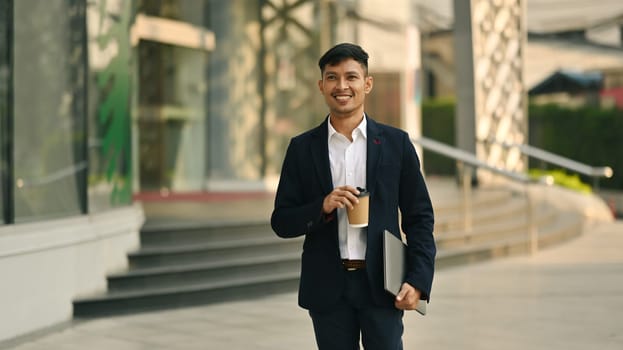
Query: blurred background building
{"type": "Point", "coordinates": [568, 36]}
{"type": "Point", "coordinates": [572, 55]}
{"type": "Point", "coordinates": [107, 102]}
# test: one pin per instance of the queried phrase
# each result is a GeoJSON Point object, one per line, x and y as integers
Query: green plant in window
{"type": "Point", "coordinates": [114, 118]}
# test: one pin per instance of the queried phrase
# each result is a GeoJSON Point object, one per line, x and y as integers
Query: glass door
{"type": "Point", "coordinates": [171, 117]}
{"type": "Point", "coordinates": [171, 114]}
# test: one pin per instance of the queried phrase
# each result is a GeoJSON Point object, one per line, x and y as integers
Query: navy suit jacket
{"type": "Point", "coordinates": [394, 181]}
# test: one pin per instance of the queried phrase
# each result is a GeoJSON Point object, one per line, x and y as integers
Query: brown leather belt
{"type": "Point", "coordinates": [352, 265]}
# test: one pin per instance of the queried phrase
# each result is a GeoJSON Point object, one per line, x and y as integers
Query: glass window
{"type": "Point", "coordinates": [234, 107]}
{"type": "Point", "coordinates": [171, 117]}
{"type": "Point", "coordinates": [5, 84]}
{"type": "Point", "coordinates": [291, 38]}
{"type": "Point", "coordinates": [189, 11]}
{"type": "Point", "coordinates": [262, 84]}
{"type": "Point", "coordinates": [172, 83]}
{"type": "Point", "coordinates": [110, 89]}
{"type": "Point", "coordinates": [49, 108]}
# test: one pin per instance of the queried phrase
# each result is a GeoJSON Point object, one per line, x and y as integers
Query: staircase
{"type": "Point", "coordinates": [500, 227]}
{"type": "Point", "coordinates": [197, 264]}
{"type": "Point", "coordinates": [191, 264]}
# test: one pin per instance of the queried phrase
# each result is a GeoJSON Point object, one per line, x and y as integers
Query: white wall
{"type": "Point", "coordinates": [44, 266]}
{"type": "Point", "coordinates": [385, 41]}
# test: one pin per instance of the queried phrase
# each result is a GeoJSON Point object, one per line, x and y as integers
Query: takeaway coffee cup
{"type": "Point", "coordinates": [358, 216]}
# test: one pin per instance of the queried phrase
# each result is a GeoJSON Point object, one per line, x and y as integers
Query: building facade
{"type": "Point", "coordinates": [104, 100]}
{"type": "Point", "coordinates": [66, 171]}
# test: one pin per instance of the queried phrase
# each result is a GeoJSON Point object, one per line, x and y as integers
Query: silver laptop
{"type": "Point", "coordinates": [394, 260]}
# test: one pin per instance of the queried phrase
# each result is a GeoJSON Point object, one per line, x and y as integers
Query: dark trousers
{"type": "Point", "coordinates": [339, 329]}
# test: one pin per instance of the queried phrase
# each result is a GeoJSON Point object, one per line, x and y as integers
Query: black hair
{"type": "Point", "coordinates": [341, 52]}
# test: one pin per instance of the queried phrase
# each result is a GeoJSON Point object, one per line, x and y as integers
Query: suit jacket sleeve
{"type": "Point", "coordinates": [298, 205]}
{"type": "Point", "coordinates": [417, 222]}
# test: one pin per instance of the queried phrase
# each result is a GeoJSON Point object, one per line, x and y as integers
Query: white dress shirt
{"type": "Point", "coordinates": [348, 167]}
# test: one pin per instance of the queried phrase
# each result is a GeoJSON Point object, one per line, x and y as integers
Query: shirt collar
{"type": "Point", "coordinates": [362, 127]}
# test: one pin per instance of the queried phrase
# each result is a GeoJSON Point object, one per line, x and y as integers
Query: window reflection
{"type": "Point", "coordinates": [110, 96]}
{"type": "Point", "coordinates": [5, 69]}
{"type": "Point", "coordinates": [49, 129]}
{"type": "Point", "coordinates": [171, 115]}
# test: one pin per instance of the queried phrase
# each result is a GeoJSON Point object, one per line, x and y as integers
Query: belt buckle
{"type": "Point", "coordinates": [352, 265]}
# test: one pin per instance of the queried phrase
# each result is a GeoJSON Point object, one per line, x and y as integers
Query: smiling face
{"type": "Point", "coordinates": [344, 87]}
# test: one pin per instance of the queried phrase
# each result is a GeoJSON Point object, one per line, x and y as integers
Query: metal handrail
{"type": "Point", "coordinates": [469, 158]}
{"type": "Point", "coordinates": [552, 158]}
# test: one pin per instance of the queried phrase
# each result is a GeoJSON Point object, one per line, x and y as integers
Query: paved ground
{"type": "Point", "coordinates": [568, 297]}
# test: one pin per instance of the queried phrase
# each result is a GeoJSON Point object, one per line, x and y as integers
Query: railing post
{"type": "Point", "coordinates": [466, 184]}
{"type": "Point", "coordinates": [532, 229]}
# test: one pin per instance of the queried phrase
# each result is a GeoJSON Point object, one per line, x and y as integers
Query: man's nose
{"type": "Point", "coordinates": [342, 84]}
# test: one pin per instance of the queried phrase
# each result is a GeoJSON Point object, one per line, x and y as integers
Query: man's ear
{"type": "Point", "coordinates": [320, 86]}
{"type": "Point", "coordinates": [369, 84]}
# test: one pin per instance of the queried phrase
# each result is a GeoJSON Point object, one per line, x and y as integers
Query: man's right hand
{"type": "Point", "coordinates": [340, 197]}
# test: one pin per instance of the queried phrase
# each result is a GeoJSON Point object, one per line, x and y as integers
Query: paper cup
{"type": "Point", "coordinates": [358, 216]}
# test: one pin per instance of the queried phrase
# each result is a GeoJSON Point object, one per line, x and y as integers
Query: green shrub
{"type": "Point", "coordinates": [589, 135]}
{"type": "Point", "coordinates": [561, 178]}
{"type": "Point", "coordinates": [438, 124]}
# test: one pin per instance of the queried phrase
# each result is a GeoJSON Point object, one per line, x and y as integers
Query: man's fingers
{"type": "Point", "coordinates": [402, 294]}
{"type": "Point", "coordinates": [341, 197]}
{"type": "Point", "coordinates": [350, 189]}
{"type": "Point", "coordinates": [346, 197]}
{"type": "Point", "coordinates": [408, 298]}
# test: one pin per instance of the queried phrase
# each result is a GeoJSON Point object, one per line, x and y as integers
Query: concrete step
{"type": "Point", "coordinates": [506, 227]}
{"type": "Point", "coordinates": [564, 227]}
{"type": "Point", "coordinates": [184, 295]}
{"type": "Point", "coordinates": [213, 252]}
{"type": "Point", "coordinates": [191, 233]}
{"type": "Point", "coordinates": [204, 273]}
{"type": "Point", "coordinates": [506, 207]}
{"type": "Point", "coordinates": [450, 200]}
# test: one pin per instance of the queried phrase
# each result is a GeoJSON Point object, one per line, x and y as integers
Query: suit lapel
{"type": "Point", "coordinates": [320, 155]}
{"type": "Point", "coordinates": [375, 144]}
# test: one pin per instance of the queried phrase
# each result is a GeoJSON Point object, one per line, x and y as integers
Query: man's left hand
{"type": "Point", "coordinates": [407, 298]}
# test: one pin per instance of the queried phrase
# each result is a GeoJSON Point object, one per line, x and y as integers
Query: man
{"type": "Point", "coordinates": [342, 270]}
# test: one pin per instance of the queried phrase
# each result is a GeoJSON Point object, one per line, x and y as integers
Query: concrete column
{"type": "Point", "coordinates": [465, 123]}
{"type": "Point", "coordinates": [490, 38]}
